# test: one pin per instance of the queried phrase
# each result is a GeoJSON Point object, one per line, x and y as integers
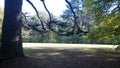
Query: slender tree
{"type": "Point", "coordinates": [11, 46]}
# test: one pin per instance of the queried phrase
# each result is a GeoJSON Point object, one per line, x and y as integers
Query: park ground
{"type": "Point", "coordinates": [66, 56]}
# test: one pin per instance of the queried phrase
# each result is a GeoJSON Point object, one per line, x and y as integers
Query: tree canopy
{"type": "Point", "coordinates": [106, 20]}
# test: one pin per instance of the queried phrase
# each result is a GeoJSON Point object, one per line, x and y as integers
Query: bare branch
{"type": "Point", "coordinates": [36, 13]}
{"type": "Point", "coordinates": [47, 10]}
{"type": "Point", "coordinates": [75, 29]}
{"type": "Point", "coordinates": [71, 10]}
{"type": "Point", "coordinates": [28, 26]}
{"type": "Point", "coordinates": [75, 20]}
{"type": "Point", "coordinates": [24, 17]}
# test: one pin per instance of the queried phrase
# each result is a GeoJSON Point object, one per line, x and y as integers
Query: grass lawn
{"type": "Point", "coordinates": [65, 56]}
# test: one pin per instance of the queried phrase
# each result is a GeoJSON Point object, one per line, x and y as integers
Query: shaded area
{"type": "Point", "coordinates": [66, 58]}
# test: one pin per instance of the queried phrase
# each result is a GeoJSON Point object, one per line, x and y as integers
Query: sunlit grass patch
{"type": "Point", "coordinates": [68, 50]}
{"type": "Point", "coordinates": [70, 46]}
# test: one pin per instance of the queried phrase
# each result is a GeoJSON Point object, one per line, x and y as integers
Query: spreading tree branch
{"type": "Point", "coordinates": [36, 13]}
{"type": "Point", "coordinates": [47, 9]}
{"type": "Point", "coordinates": [75, 20]}
{"type": "Point", "coordinates": [72, 10]}
{"type": "Point", "coordinates": [28, 26]}
{"type": "Point", "coordinates": [75, 29]}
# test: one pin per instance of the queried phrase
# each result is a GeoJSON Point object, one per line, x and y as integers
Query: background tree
{"type": "Point", "coordinates": [106, 21]}
{"type": "Point", "coordinates": [60, 27]}
{"type": "Point", "coordinates": [81, 19]}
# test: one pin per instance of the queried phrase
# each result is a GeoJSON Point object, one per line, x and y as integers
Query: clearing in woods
{"type": "Point", "coordinates": [48, 55]}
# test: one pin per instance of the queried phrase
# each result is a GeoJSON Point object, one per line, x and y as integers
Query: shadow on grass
{"type": "Point", "coordinates": [65, 58]}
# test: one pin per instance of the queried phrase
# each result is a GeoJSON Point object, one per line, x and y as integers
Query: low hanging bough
{"type": "Point", "coordinates": [75, 29]}
{"type": "Point", "coordinates": [36, 13]}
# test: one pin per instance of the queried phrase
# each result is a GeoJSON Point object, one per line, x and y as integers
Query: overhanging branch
{"type": "Point", "coordinates": [47, 10]}
{"type": "Point", "coordinates": [75, 29]}
{"type": "Point", "coordinates": [36, 13]}
{"type": "Point", "coordinates": [28, 26]}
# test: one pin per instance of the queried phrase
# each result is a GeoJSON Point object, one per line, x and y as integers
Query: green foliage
{"type": "Point", "coordinates": [67, 16]}
{"type": "Point", "coordinates": [65, 26]}
{"type": "Point", "coordinates": [102, 16]}
{"type": "Point", "coordinates": [31, 28]}
{"type": "Point", "coordinates": [106, 20]}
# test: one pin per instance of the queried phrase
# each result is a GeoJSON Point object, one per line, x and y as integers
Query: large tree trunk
{"type": "Point", "coordinates": [11, 30]}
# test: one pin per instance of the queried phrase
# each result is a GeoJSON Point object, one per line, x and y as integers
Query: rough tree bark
{"type": "Point", "coordinates": [11, 46]}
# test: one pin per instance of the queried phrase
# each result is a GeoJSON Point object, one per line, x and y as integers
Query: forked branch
{"type": "Point", "coordinates": [36, 13]}
{"type": "Point", "coordinates": [75, 29]}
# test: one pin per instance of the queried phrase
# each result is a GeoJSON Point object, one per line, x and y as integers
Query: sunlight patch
{"type": "Point", "coordinates": [54, 54]}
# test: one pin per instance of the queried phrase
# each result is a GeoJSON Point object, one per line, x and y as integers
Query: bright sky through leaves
{"type": "Point", "coordinates": [55, 6]}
